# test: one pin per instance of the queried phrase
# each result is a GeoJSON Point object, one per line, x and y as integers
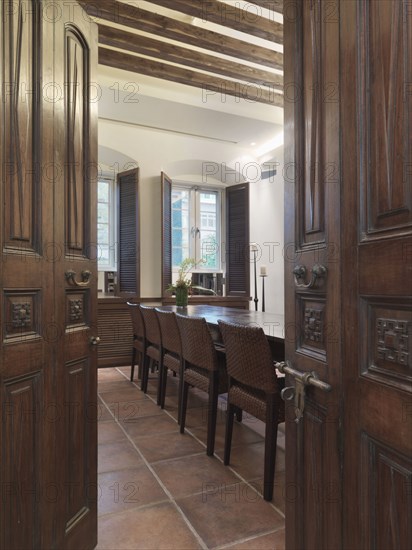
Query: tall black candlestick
{"type": "Point", "coordinates": [263, 292]}
{"type": "Point", "coordinates": [256, 298]}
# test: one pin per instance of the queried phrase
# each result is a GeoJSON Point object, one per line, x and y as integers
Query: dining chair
{"type": "Point", "coordinates": [254, 388]}
{"type": "Point", "coordinates": [139, 338]}
{"type": "Point", "coordinates": [203, 368]}
{"type": "Point", "coordinates": [171, 350]}
{"type": "Point", "coordinates": [153, 347]}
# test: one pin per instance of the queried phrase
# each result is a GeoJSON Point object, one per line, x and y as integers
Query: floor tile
{"type": "Point", "coordinates": [113, 456]}
{"type": "Point", "coordinates": [248, 460]}
{"type": "Point", "coordinates": [273, 541]}
{"type": "Point", "coordinates": [242, 435]}
{"type": "Point", "coordinates": [228, 513]}
{"type": "Point", "coordinates": [169, 445]}
{"type": "Point", "coordinates": [103, 413]}
{"type": "Point", "coordinates": [189, 475]}
{"type": "Point", "coordinates": [108, 432]}
{"type": "Point", "coordinates": [150, 425]}
{"type": "Point", "coordinates": [121, 395]}
{"type": "Point", "coordinates": [135, 511]}
{"type": "Point", "coordinates": [280, 491]}
{"type": "Point", "coordinates": [129, 488]}
{"type": "Point", "coordinates": [109, 375]}
{"type": "Point", "coordinates": [158, 527]}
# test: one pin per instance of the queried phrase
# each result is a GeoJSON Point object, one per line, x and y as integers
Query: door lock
{"type": "Point", "coordinates": [95, 340]}
{"type": "Point", "coordinates": [297, 393]}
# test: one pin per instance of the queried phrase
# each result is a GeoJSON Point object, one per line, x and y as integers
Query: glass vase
{"type": "Point", "coordinates": [182, 294]}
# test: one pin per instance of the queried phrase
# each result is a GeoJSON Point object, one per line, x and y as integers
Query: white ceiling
{"type": "Point", "coordinates": [131, 98]}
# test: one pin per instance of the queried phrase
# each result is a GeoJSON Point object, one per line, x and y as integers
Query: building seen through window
{"type": "Point", "coordinates": [196, 226]}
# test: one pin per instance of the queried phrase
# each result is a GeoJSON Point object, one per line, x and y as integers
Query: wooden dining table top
{"type": "Point", "coordinates": [273, 324]}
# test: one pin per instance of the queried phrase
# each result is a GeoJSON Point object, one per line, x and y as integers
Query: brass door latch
{"type": "Point", "coordinates": [297, 393]}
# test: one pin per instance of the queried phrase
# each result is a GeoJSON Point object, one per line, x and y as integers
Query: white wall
{"type": "Point", "coordinates": [266, 230]}
{"type": "Point", "coordinates": [183, 158]}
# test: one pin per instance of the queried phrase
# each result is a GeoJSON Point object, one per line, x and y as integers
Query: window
{"type": "Point", "coordinates": [196, 226]}
{"type": "Point", "coordinates": [106, 229]}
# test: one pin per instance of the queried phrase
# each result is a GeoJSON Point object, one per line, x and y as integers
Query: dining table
{"type": "Point", "coordinates": [272, 324]}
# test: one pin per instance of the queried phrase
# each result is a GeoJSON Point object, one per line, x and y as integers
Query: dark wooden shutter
{"type": "Point", "coordinates": [129, 237]}
{"type": "Point", "coordinates": [237, 241]}
{"type": "Point", "coordinates": [166, 232]}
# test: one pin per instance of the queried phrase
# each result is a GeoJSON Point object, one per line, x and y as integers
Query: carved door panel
{"type": "Point", "coordinates": [47, 369]}
{"type": "Point", "coordinates": [348, 115]}
{"type": "Point", "coordinates": [27, 307]}
{"type": "Point", "coordinates": [377, 279]}
{"type": "Point", "coordinates": [76, 274]}
{"type": "Point", "coordinates": [313, 495]}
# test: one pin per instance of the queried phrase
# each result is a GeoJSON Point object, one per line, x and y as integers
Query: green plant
{"type": "Point", "coordinates": [183, 281]}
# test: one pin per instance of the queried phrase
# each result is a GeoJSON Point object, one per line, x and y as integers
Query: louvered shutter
{"type": "Point", "coordinates": [237, 241]}
{"type": "Point", "coordinates": [129, 238]}
{"type": "Point", "coordinates": [166, 232]}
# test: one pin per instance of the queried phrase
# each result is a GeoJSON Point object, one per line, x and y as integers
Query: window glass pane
{"type": "Point", "coordinates": [209, 249]}
{"type": "Point", "coordinates": [196, 233]}
{"type": "Point", "coordinates": [180, 226]}
{"type": "Point", "coordinates": [209, 246]}
{"type": "Point", "coordinates": [104, 254]}
{"type": "Point", "coordinates": [105, 226]}
{"type": "Point", "coordinates": [103, 191]}
{"type": "Point", "coordinates": [103, 212]}
{"type": "Point", "coordinates": [103, 233]}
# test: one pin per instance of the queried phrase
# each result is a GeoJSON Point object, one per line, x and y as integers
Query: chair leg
{"type": "Point", "coordinates": [163, 388]}
{"type": "Point", "coordinates": [140, 368]}
{"type": "Point", "coordinates": [270, 450]}
{"type": "Point", "coordinates": [133, 364]}
{"type": "Point", "coordinates": [180, 398]}
{"type": "Point", "coordinates": [145, 374]}
{"type": "Point", "coordinates": [162, 373]}
{"type": "Point", "coordinates": [212, 412]}
{"type": "Point", "coordinates": [184, 407]}
{"type": "Point", "coordinates": [239, 414]}
{"type": "Point", "coordinates": [228, 434]}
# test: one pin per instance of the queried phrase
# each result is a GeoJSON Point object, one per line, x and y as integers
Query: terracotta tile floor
{"type": "Point", "coordinates": [158, 489]}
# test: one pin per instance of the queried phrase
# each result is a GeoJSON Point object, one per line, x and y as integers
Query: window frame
{"type": "Point", "coordinates": [112, 202]}
{"type": "Point", "coordinates": [195, 216]}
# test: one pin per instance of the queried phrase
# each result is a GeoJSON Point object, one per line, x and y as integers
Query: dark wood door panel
{"type": "Point", "coordinates": [312, 227]}
{"type": "Point", "coordinates": [376, 272]}
{"type": "Point", "coordinates": [387, 476]}
{"type": "Point", "coordinates": [26, 272]}
{"type": "Point", "coordinates": [385, 115]}
{"type": "Point", "coordinates": [75, 234]}
{"type": "Point", "coordinates": [38, 390]}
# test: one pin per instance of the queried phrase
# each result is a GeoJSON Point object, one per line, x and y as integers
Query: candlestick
{"type": "Point", "coordinates": [263, 287]}
{"type": "Point", "coordinates": [254, 261]}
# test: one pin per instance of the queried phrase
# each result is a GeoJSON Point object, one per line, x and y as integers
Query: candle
{"type": "Point", "coordinates": [263, 271]}
{"type": "Point", "coordinates": [254, 247]}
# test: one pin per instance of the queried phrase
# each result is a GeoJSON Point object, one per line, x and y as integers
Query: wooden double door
{"type": "Point", "coordinates": [348, 261]}
{"type": "Point", "coordinates": [48, 277]}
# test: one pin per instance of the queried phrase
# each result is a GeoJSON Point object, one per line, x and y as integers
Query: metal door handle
{"type": "Point", "coordinates": [95, 340]}
{"type": "Point", "coordinates": [71, 278]}
{"type": "Point", "coordinates": [298, 393]}
{"type": "Point", "coordinates": [318, 272]}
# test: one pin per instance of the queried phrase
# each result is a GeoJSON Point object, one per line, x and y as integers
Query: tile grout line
{"type": "Point", "coordinates": [246, 539]}
{"type": "Point", "coordinates": [240, 477]}
{"type": "Point", "coordinates": [248, 483]}
{"type": "Point", "coordinates": [167, 492]}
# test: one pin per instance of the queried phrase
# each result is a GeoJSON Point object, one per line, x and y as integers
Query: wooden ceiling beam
{"type": "Point", "coordinates": [209, 84]}
{"type": "Point", "coordinates": [123, 40]}
{"type": "Point", "coordinates": [272, 5]}
{"type": "Point", "coordinates": [247, 19]}
{"type": "Point", "coordinates": [143, 20]}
